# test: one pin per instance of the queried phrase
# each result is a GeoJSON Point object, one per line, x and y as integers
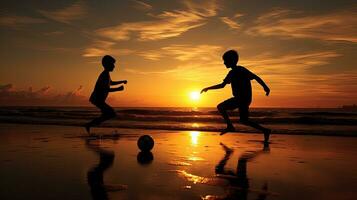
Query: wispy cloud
{"type": "Point", "coordinates": [205, 8]}
{"type": "Point", "coordinates": [185, 52]}
{"type": "Point", "coordinates": [164, 25]}
{"type": "Point", "coordinates": [101, 47]}
{"type": "Point", "coordinates": [168, 24]}
{"type": "Point", "coordinates": [293, 72]}
{"type": "Point", "coordinates": [140, 5]}
{"type": "Point", "coordinates": [232, 21]}
{"type": "Point", "coordinates": [16, 21]}
{"type": "Point", "coordinates": [197, 62]}
{"type": "Point", "coordinates": [334, 26]}
{"type": "Point", "coordinates": [98, 48]}
{"type": "Point", "coordinates": [10, 96]}
{"type": "Point", "coordinates": [289, 63]}
{"type": "Point", "coordinates": [151, 54]}
{"type": "Point", "coordinates": [68, 14]}
{"type": "Point", "coordinates": [198, 72]}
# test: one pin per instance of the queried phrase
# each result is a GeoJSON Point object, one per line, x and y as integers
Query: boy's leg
{"type": "Point", "coordinates": [107, 113]}
{"type": "Point", "coordinates": [228, 104]}
{"type": "Point", "coordinates": [244, 119]}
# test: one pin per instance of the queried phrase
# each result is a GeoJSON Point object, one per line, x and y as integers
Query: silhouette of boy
{"type": "Point", "coordinates": [239, 78]}
{"type": "Point", "coordinates": [101, 91]}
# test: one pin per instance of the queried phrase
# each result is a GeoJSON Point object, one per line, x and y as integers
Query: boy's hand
{"type": "Point", "coordinates": [120, 88]}
{"type": "Point", "coordinates": [204, 90]}
{"type": "Point", "coordinates": [267, 91]}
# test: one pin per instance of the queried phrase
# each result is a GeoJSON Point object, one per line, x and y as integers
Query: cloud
{"type": "Point", "coordinates": [198, 62]}
{"type": "Point", "coordinates": [10, 96]}
{"type": "Point", "coordinates": [151, 54]}
{"type": "Point", "coordinates": [140, 5]}
{"type": "Point", "coordinates": [164, 25]}
{"type": "Point", "coordinates": [308, 87]}
{"type": "Point", "coordinates": [139, 72]}
{"type": "Point", "coordinates": [15, 21]}
{"type": "Point", "coordinates": [291, 75]}
{"type": "Point", "coordinates": [198, 72]}
{"type": "Point", "coordinates": [203, 7]}
{"type": "Point", "coordinates": [335, 26]}
{"type": "Point", "coordinates": [68, 14]}
{"type": "Point", "coordinates": [169, 24]}
{"type": "Point", "coordinates": [98, 48]}
{"type": "Point", "coordinates": [185, 52]}
{"type": "Point", "coordinates": [231, 22]}
{"type": "Point", "coordinates": [101, 47]}
{"type": "Point", "coordinates": [289, 63]}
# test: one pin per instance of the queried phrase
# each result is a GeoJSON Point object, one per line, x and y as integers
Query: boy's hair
{"type": "Point", "coordinates": [231, 55]}
{"type": "Point", "coordinates": [107, 59]}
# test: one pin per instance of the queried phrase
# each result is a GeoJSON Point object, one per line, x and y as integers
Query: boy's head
{"type": "Point", "coordinates": [230, 58]}
{"type": "Point", "coordinates": [108, 63]}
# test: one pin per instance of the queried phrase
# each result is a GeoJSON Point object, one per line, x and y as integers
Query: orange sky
{"type": "Point", "coordinates": [305, 51]}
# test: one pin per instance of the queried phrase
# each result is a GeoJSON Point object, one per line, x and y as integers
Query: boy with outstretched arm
{"type": "Point", "coordinates": [240, 79]}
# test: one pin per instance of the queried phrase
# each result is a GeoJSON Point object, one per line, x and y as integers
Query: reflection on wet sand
{"type": "Point", "coordinates": [193, 178]}
{"type": "Point", "coordinates": [194, 137]}
{"type": "Point", "coordinates": [238, 182]}
{"type": "Point", "coordinates": [95, 175]}
{"type": "Point", "coordinates": [298, 167]}
{"type": "Point", "coordinates": [145, 157]}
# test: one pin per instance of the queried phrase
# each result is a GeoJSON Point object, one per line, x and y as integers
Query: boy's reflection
{"type": "Point", "coordinates": [95, 174]}
{"type": "Point", "coordinates": [238, 182]}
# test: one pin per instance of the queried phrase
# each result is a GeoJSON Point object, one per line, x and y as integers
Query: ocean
{"type": "Point", "coordinates": [306, 121]}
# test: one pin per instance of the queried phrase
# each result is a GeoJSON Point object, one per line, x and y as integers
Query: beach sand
{"type": "Point", "coordinates": [61, 162]}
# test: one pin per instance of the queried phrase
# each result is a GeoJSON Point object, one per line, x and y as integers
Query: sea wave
{"type": "Point", "coordinates": [204, 119]}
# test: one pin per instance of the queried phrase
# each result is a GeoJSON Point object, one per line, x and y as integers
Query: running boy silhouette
{"type": "Point", "coordinates": [239, 78]}
{"type": "Point", "coordinates": [101, 91]}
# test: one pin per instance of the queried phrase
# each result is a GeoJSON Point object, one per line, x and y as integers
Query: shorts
{"type": "Point", "coordinates": [105, 109]}
{"type": "Point", "coordinates": [233, 103]}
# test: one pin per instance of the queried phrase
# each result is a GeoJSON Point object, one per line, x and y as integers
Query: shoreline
{"type": "Point", "coordinates": [168, 128]}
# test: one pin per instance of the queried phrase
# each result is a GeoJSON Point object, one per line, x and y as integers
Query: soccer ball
{"type": "Point", "coordinates": [145, 143]}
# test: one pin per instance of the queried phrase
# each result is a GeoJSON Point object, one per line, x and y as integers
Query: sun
{"type": "Point", "coordinates": [195, 96]}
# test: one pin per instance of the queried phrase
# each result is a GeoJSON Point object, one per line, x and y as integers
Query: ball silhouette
{"type": "Point", "coordinates": [145, 143]}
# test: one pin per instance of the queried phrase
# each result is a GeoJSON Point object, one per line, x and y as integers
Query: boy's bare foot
{"type": "Point", "coordinates": [228, 129]}
{"type": "Point", "coordinates": [267, 133]}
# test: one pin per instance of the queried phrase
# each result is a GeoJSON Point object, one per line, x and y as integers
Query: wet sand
{"type": "Point", "coordinates": [57, 162]}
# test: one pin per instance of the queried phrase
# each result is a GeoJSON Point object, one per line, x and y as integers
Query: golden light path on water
{"type": "Point", "coordinates": [194, 137]}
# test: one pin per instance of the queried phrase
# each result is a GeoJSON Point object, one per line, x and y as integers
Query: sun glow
{"type": "Point", "coordinates": [195, 96]}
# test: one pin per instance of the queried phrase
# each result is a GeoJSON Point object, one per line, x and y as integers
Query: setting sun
{"type": "Point", "coordinates": [194, 96]}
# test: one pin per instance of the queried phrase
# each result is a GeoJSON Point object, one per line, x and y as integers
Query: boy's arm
{"type": "Point", "coordinates": [262, 83]}
{"type": "Point", "coordinates": [214, 87]}
{"type": "Point", "coordinates": [118, 82]}
{"type": "Point", "coordinates": [116, 89]}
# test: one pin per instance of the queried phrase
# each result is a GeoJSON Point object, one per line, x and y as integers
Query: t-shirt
{"type": "Point", "coordinates": [239, 77]}
{"type": "Point", "coordinates": [101, 88]}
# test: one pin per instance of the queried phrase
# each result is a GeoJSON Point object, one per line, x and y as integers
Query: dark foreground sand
{"type": "Point", "coordinates": [56, 162]}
